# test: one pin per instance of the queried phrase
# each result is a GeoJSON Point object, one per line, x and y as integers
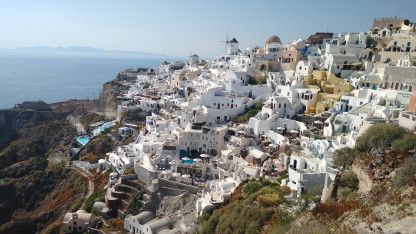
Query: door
{"type": "Point", "coordinates": [219, 106]}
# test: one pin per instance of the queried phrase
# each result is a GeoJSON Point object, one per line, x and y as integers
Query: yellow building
{"type": "Point", "coordinates": [330, 87]}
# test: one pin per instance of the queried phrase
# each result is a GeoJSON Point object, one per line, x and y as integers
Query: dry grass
{"type": "Point", "coordinates": [335, 210]}
{"type": "Point", "coordinates": [65, 197]}
{"type": "Point", "coordinates": [91, 158]}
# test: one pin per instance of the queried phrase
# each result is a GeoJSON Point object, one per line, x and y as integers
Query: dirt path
{"type": "Point", "coordinates": [87, 174]}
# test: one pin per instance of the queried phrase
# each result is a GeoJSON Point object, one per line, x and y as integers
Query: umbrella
{"type": "Point", "coordinates": [204, 156]}
{"type": "Point", "coordinates": [185, 158]}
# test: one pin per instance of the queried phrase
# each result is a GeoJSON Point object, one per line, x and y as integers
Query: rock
{"type": "Point", "coordinates": [363, 201]}
{"type": "Point", "coordinates": [392, 232]}
{"type": "Point", "coordinates": [363, 227]}
{"type": "Point", "coordinates": [384, 221]}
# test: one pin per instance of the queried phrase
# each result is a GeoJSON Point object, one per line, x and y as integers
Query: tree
{"type": "Point", "coordinates": [251, 80]}
{"type": "Point", "coordinates": [380, 136]}
{"type": "Point", "coordinates": [406, 143]}
{"type": "Point", "coordinates": [344, 157]}
{"type": "Point", "coordinates": [349, 180]}
{"type": "Point", "coordinates": [406, 174]}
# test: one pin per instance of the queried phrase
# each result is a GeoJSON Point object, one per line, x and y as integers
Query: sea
{"type": "Point", "coordinates": [55, 78]}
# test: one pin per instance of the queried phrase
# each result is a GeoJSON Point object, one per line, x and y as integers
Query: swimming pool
{"type": "Point", "coordinates": [82, 140]}
{"type": "Point", "coordinates": [190, 161]}
{"type": "Point", "coordinates": [106, 125]}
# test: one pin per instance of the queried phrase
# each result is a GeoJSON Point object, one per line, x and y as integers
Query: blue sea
{"type": "Point", "coordinates": [55, 78]}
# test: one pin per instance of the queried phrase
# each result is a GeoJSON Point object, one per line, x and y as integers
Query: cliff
{"type": "Point", "coordinates": [35, 193]}
{"type": "Point", "coordinates": [108, 101]}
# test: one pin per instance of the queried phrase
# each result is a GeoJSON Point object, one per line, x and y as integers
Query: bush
{"type": "Point", "coordinates": [406, 143]}
{"type": "Point", "coordinates": [251, 188]}
{"type": "Point", "coordinates": [53, 228]}
{"type": "Point", "coordinates": [259, 106]}
{"type": "Point", "coordinates": [77, 204]}
{"type": "Point", "coordinates": [380, 135]}
{"type": "Point", "coordinates": [344, 157]}
{"type": "Point", "coordinates": [270, 200]}
{"type": "Point", "coordinates": [89, 203]}
{"type": "Point", "coordinates": [349, 180]}
{"type": "Point", "coordinates": [346, 194]}
{"type": "Point", "coordinates": [406, 174]}
{"type": "Point", "coordinates": [251, 80]}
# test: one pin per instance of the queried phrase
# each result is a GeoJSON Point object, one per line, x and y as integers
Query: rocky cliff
{"type": "Point", "coordinates": [34, 193]}
{"type": "Point", "coordinates": [108, 101]}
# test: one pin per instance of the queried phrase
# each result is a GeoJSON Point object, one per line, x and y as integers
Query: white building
{"type": "Point", "coordinates": [77, 222]}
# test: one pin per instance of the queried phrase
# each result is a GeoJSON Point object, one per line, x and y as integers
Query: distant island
{"type": "Point", "coordinates": [81, 51]}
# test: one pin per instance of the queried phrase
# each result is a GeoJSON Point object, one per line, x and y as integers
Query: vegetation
{"type": "Point", "coordinates": [254, 206]}
{"type": "Point", "coordinates": [251, 80]}
{"type": "Point", "coordinates": [406, 143]}
{"type": "Point", "coordinates": [344, 157]}
{"type": "Point", "coordinates": [53, 228]}
{"type": "Point", "coordinates": [379, 136]}
{"type": "Point", "coordinates": [406, 175]}
{"type": "Point", "coordinates": [250, 112]}
{"type": "Point", "coordinates": [91, 118]}
{"type": "Point", "coordinates": [349, 180]}
{"type": "Point", "coordinates": [89, 203]}
{"type": "Point", "coordinates": [75, 181]}
{"type": "Point", "coordinates": [77, 204]}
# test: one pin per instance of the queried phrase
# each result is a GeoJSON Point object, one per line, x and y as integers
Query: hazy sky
{"type": "Point", "coordinates": [181, 27]}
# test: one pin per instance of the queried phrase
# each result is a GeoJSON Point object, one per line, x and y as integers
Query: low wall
{"type": "Point", "coordinates": [168, 184]}
{"type": "Point", "coordinates": [171, 191]}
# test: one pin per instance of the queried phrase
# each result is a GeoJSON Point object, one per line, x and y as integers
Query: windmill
{"type": "Point", "coordinates": [227, 35]}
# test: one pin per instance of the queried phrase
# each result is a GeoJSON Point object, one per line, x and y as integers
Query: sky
{"type": "Point", "coordinates": [181, 28]}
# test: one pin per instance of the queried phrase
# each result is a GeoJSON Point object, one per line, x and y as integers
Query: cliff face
{"type": "Point", "coordinates": [28, 134]}
{"type": "Point", "coordinates": [33, 193]}
{"type": "Point", "coordinates": [14, 121]}
{"type": "Point", "coordinates": [108, 98]}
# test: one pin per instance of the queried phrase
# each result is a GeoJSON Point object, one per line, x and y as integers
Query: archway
{"type": "Point", "coordinates": [182, 153]}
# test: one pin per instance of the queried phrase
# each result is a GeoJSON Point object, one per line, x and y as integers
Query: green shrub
{"type": "Point", "coordinates": [349, 180]}
{"type": "Point", "coordinates": [289, 152]}
{"type": "Point", "coordinates": [270, 200]}
{"type": "Point", "coordinates": [251, 188]}
{"type": "Point", "coordinates": [209, 226]}
{"type": "Point", "coordinates": [89, 203]}
{"type": "Point", "coordinates": [379, 135]}
{"type": "Point", "coordinates": [347, 194]}
{"type": "Point", "coordinates": [77, 204]}
{"type": "Point", "coordinates": [251, 80]}
{"type": "Point", "coordinates": [259, 106]}
{"type": "Point", "coordinates": [344, 157]}
{"type": "Point", "coordinates": [406, 143]}
{"type": "Point", "coordinates": [53, 228]}
{"type": "Point", "coordinates": [406, 174]}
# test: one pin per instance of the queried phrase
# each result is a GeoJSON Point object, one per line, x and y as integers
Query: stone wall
{"type": "Point", "coordinates": [168, 184]}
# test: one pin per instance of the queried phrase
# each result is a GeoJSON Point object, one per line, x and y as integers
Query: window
{"type": "Point", "coordinates": [395, 43]}
{"type": "Point", "coordinates": [408, 43]}
{"type": "Point", "coordinates": [69, 227]}
{"type": "Point", "coordinates": [80, 228]}
{"type": "Point", "coordinates": [75, 223]}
